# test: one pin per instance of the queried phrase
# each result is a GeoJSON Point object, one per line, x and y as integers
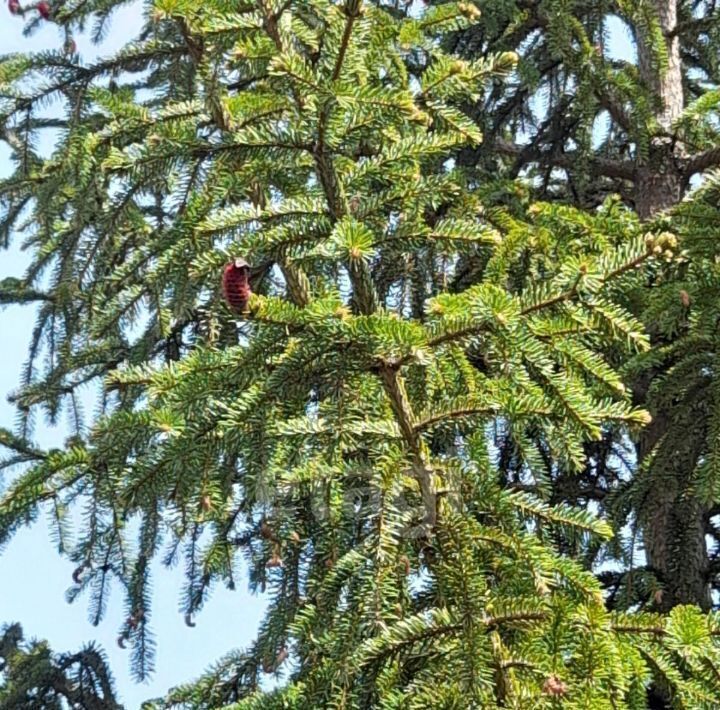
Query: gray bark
{"type": "Point", "coordinates": [659, 175]}
{"type": "Point", "coordinates": [673, 521]}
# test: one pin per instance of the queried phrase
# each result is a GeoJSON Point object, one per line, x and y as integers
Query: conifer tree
{"type": "Point", "coordinates": [583, 122]}
{"type": "Point", "coordinates": [331, 426]}
{"type": "Point", "coordinates": [31, 677]}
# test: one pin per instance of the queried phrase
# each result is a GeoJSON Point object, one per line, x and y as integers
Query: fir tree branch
{"type": "Point", "coordinates": [694, 26]}
{"type": "Point", "coordinates": [365, 295]}
{"type": "Point", "coordinates": [297, 282]}
{"type": "Point", "coordinates": [567, 295]}
{"type": "Point", "coordinates": [702, 161]}
{"type": "Point", "coordinates": [605, 167]}
{"type": "Point", "coordinates": [421, 471]}
{"type": "Point", "coordinates": [84, 75]}
{"type": "Point", "coordinates": [395, 389]}
{"type": "Point", "coordinates": [353, 10]}
{"type": "Point", "coordinates": [614, 108]}
{"type": "Point", "coordinates": [514, 618]}
{"type": "Point", "coordinates": [91, 661]}
{"type": "Point", "coordinates": [467, 412]}
{"type": "Point", "coordinates": [20, 446]}
{"type": "Point", "coordinates": [554, 300]}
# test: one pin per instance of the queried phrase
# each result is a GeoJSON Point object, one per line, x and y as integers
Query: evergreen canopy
{"type": "Point", "coordinates": [35, 678]}
{"type": "Point", "coordinates": [621, 98]}
{"type": "Point", "coordinates": [341, 441]}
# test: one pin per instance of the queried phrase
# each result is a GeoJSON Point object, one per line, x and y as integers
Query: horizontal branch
{"type": "Point", "coordinates": [553, 300]}
{"type": "Point", "coordinates": [702, 161]}
{"type": "Point", "coordinates": [606, 167]}
{"type": "Point", "coordinates": [695, 25]}
{"type": "Point", "coordinates": [466, 412]}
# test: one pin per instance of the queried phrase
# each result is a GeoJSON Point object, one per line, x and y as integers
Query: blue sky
{"type": "Point", "coordinates": [33, 578]}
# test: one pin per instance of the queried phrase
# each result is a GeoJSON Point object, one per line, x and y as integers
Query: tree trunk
{"type": "Point", "coordinates": [659, 183]}
{"type": "Point", "coordinates": [673, 524]}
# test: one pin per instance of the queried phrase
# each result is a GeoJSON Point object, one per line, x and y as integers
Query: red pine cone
{"type": "Point", "coordinates": [44, 9]}
{"type": "Point", "coordinates": [236, 287]}
{"type": "Point", "coordinates": [14, 7]}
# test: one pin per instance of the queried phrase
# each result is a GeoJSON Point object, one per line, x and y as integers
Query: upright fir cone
{"type": "Point", "coordinates": [44, 9]}
{"type": "Point", "coordinates": [14, 7]}
{"type": "Point", "coordinates": [236, 287]}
